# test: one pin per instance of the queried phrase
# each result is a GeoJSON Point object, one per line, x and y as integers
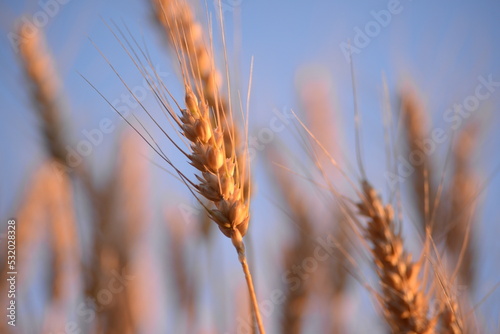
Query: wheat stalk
{"type": "Point", "coordinates": [405, 305]}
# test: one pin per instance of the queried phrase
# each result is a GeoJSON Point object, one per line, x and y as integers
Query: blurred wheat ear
{"type": "Point", "coordinates": [460, 221]}
{"type": "Point", "coordinates": [44, 88]}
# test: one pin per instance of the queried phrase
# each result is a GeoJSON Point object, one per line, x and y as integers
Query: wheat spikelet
{"type": "Point", "coordinates": [40, 70]}
{"type": "Point", "coordinates": [405, 305]}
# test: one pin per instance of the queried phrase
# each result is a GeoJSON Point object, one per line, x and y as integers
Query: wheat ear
{"type": "Point", "coordinates": [415, 124]}
{"type": "Point", "coordinates": [405, 305]}
{"type": "Point", "coordinates": [40, 71]}
{"type": "Point", "coordinates": [460, 219]}
{"type": "Point", "coordinates": [295, 302]}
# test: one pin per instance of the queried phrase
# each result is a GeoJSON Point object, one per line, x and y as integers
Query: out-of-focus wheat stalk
{"type": "Point", "coordinates": [44, 85]}
{"type": "Point", "coordinates": [133, 179]}
{"type": "Point", "coordinates": [405, 305]}
{"type": "Point", "coordinates": [314, 91]}
{"type": "Point", "coordinates": [415, 125]}
{"type": "Point", "coordinates": [295, 302]}
{"type": "Point", "coordinates": [186, 35]}
{"type": "Point", "coordinates": [460, 220]}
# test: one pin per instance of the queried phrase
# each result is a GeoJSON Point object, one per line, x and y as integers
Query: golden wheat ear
{"type": "Point", "coordinates": [405, 305]}
{"type": "Point", "coordinates": [207, 123]}
{"type": "Point", "coordinates": [44, 87]}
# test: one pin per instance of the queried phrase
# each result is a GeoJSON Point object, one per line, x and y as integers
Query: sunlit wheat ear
{"type": "Point", "coordinates": [185, 283]}
{"type": "Point", "coordinates": [294, 306]}
{"type": "Point", "coordinates": [404, 302]}
{"type": "Point", "coordinates": [44, 86]}
{"type": "Point", "coordinates": [221, 182]}
{"type": "Point", "coordinates": [415, 127]}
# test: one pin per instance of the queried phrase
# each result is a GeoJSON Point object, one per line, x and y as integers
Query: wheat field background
{"type": "Point", "coordinates": [349, 150]}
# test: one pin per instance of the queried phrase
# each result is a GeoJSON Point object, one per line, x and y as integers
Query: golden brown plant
{"type": "Point", "coordinates": [208, 124]}
{"type": "Point", "coordinates": [44, 86]}
{"type": "Point", "coordinates": [40, 70]}
{"type": "Point", "coordinates": [415, 124]}
{"type": "Point", "coordinates": [405, 305]}
{"type": "Point", "coordinates": [185, 283]}
{"type": "Point", "coordinates": [302, 247]}
{"type": "Point", "coordinates": [459, 222]}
